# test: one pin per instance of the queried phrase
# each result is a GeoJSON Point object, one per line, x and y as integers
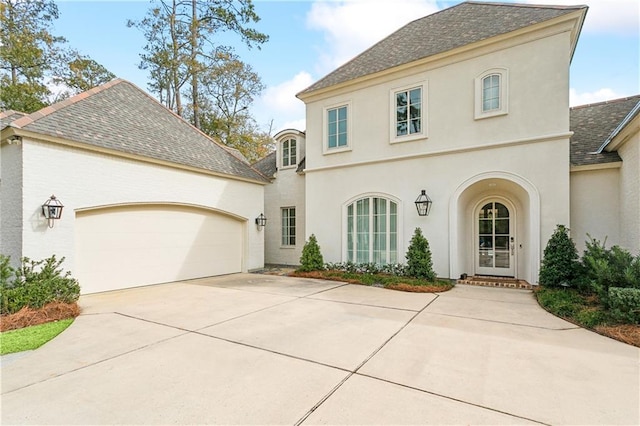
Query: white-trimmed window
{"type": "Point", "coordinates": [288, 215]}
{"type": "Point", "coordinates": [372, 231]}
{"type": "Point", "coordinates": [288, 152]}
{"type": "Point", "coordinates": [408, 110]}
{"type": "Point", "coordinates": [491, 93]}
{"type": "Point", "coordinates": [337, 128]}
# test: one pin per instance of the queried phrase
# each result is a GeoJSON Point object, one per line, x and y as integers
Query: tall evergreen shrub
{"type": "Point", "coordinates": [560, 262]}
{"type": "Point", "coordinates": [311, 259]}
{"type": "Point", "coordinates": [419, 263]}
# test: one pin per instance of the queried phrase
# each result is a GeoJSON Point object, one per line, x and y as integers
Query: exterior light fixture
{"type": "Point", "coordinates": [423, 204]}
{"type": "Point", "coordinates": [261, 221]}
{"type": "Point", "coordinates": [52, 210]}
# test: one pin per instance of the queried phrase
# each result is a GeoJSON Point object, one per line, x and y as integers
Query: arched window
{"type": "Point", "coordinates": [289, 152]}
{"type": "Point", "coordinates": [372, 231]}
{"type": "Point", "coordinates": [491, 93]}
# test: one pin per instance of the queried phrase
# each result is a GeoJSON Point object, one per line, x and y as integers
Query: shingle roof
{"type": "Point", "coordinates": [446, 30]}
{"type": "Point", "coordinates": [122, 117]}
{"type": "Point", "coordinates": [592, 124]}
{"type": "Point", "coordinates": [8, 116]}
{"type": "Point", "coordinates": [267, 165]}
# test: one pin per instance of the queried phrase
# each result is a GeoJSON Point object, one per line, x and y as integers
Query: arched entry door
{"type": "Point", "coordinates": [495, 239]}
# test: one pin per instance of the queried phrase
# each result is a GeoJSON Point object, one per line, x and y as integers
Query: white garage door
{"type": "Point", "coordinates": [131, 246]}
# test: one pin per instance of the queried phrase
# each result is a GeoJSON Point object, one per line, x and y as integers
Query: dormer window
{"type": "Point", "coordinates": [492, 94]}
{"type": "Point", "coordinates": [289, 153]}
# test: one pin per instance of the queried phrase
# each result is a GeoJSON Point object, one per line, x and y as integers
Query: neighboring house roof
{"type": "Point", "coordinates": [592, 125]}
{"type": "Point", "coordinates": [8, 116]}
{"type": "Point", "coordinates": [267, 165]}
{"type": "Point", "coordinates": [451, 28]}
{"type": "Point", "coordinates": [119, 116]}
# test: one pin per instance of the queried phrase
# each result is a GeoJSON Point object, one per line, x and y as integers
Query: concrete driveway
{"type": "Point", "coordinates": [259, 349]}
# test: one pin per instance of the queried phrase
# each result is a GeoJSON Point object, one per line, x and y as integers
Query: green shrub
{"type": "Point", "coordinates": [311, 259]}
{"type": "Point", "coordinates": [563, 303]}
{"type": "Point", "coordinates": [35, 284]}
{"type": "Point", "coordinates": [419, 263]}
{"type": "Point", "coordinates": [7, 273]}
{"type": "Point", "coordinates": [606, 268]}
{"type": "Point", "coordinates": [624, 305]}
{"type": "Point", "coordinates": [560, 262]}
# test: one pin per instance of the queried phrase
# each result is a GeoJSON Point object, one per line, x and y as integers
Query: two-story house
{"type": "Point", "coordinates": [470, 108]}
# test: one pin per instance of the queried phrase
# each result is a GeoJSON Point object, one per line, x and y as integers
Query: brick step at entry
{"type": "Point", "coordinates": [503, 282]}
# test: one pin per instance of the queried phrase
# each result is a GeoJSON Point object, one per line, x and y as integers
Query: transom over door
{"type": "Point", "coordinates": [495, 240]}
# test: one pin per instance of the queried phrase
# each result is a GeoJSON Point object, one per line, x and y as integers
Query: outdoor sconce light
{"type": "Point", "coordinates": [261, 221]}
{"type": "Point", "coordinates": [52, 210]}
{"type": "Point", "coordinates": [423, 204]}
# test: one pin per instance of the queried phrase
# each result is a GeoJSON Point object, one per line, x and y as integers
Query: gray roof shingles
{"type": "Point", "coordinates": [267, 165]}
{"type": "Point", "coordinates": [122, 117]}
{"type": "Point", "coordinates": [451, 28]}
{"type": "Point", "coordinates": [592, 124]}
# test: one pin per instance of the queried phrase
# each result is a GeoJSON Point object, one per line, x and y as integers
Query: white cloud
{"type": "Point", "coordinates": [599, 95]}
{"type": "Point", "coordinates": [279, 103]}
{"type": "Point", "coordinates": [300, 124]}
{"type": "Point", "coordinates": [351, 26]}
{"type": "Point", "coordinates": [607, 16]}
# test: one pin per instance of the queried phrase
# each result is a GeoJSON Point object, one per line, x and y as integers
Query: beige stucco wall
{"type": "Point", "coordinates": [83, 179]}
{"type": "Point", "coordinates": [630, 194]}
{"type": "Point", "coordinates": [595, 206]}
{"type": "Point", "coordinates": [286, 190]}
{"type": "Point", "coordinates": [530, 143]}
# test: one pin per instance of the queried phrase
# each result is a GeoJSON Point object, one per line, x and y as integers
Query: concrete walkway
{"type": "Point", "coordinates": [259, 349]}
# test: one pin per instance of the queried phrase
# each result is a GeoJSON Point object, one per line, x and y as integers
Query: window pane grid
{"type": "Point", "coordinates": [288, 226]}
{"type": "Point", "coordinates": [491, 92]}
{"type": "Point", "coordinates": [372, 231]}
{"type": "Point", "coordinates": [409, 112]}
{"type": "Point", "coordinates": [337, 127]}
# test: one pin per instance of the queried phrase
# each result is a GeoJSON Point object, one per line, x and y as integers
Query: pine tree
{"type": "Point", "coordinates": [560, 261]}
{"type": "Point", "coordinates": [311, 259]}
{"type": "Point", "coordinates": [419, 263]}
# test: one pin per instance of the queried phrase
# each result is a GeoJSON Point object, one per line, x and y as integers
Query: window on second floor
{"type": "Point", "coordinates": [408, 113]}
{"type": "Point", "coordinates": [288, 153]}
{"type": "Point", "coordinates": [337, 128]}
{"type": "Point", "coordinates": [491, 93]}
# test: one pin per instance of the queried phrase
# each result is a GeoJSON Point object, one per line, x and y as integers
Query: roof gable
{"type": "Point", "coordinates": [448, 29]}
{"type": "Point", "coordinates": [119, 116]}
{"type": "Point", "coordinates": [592, 125]}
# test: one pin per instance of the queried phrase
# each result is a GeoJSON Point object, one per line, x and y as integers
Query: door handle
{"type": "Point", "coordinates": [512, 249]}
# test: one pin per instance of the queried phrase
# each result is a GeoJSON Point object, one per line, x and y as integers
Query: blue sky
{"type": "Point", "coordinates": [310, 38]}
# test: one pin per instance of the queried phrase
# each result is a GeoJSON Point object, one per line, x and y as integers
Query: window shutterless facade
{"type": "Point", "coordinates": [408, 112]}
{"type": "Point", "coordinates": [492, 93]}
{"type": "Point", "coordinates": [372, 231]}
{"type": "Point", "coordinates": [288, 215]}
{"type": "Point", "coordinates": [336, 128]}
{"type": "Point", "coordinates": [289, 153]}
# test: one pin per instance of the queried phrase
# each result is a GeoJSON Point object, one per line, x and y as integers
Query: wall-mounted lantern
{"type": "Point", "coordinates": [52, 210]}
{"type": "Point", "coordinates": [261, 221]}
{"type": "Point", "coordinates": [423, 204]}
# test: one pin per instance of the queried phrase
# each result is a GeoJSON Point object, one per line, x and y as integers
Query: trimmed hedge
{"type": "Point", "coordinates": [34, 284]}
{"type": "Point", "coordinates": [624, 304]}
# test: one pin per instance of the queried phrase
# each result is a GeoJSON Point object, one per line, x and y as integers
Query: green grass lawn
{"type": "Point", "coordinates": [29, 338]}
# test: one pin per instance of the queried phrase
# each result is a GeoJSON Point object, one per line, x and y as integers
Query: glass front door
{"type": "Point", "coordinates": [494, 240]}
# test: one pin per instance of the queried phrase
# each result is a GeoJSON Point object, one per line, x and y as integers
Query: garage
{"type": "Point", "coordinates": [135, 245]}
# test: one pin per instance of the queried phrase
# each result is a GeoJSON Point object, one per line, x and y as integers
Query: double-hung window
{"type": "Point", "coordinates": [289, 153]}
{"type": "Point", "coordinates": [492, 93]}
{"type": "Point", "coordinates": [337, 127]}
{"type": "Point", "coordinates": [288, 226]}
{"type": "Point", "coordinates": [372, 231]}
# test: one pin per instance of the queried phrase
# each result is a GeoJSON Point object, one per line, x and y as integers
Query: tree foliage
{"type": "Point", "coordinates": [32, 58]}
{"type": "Point", "coordinates": [560, 261]}
{"type": "Point", "coordinates": [199, 78]}
{"type": "Point", "coordinates": [419, 262]}
{"type": "Point", "coordinates": [311, 259]}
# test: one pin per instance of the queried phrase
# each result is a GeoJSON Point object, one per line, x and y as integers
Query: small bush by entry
{"type": "Point", "coordinates": [34, 284]}
{"type": "Point", "coordinates": [419, 263]}
{"type": "Point", "coordinates": [311, 259]}
{"type": "Point", "coordinates": [624, 304]}
{"type": "Point", "coordinates": [560, 262]}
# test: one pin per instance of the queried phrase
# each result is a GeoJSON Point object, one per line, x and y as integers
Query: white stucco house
{"type": "Point", "coordinates": [147, 197]}
{"type": "Point", "coordinates": [471, 105]}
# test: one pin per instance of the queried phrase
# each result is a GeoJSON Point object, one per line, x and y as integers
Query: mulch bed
{"type": "Point", "coordinates": [320, 275]}
{"type": "Point", "coordinates": [629, 334]}
{"type": "Point", "coordinates": [27, 316]}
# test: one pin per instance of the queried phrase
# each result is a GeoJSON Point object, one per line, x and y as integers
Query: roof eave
{"type": "Point", "coordinates": [610, 144]}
